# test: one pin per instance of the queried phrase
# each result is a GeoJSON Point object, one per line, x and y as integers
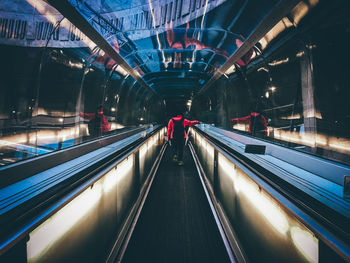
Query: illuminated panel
{"type": "Point", "coordinates": [287, 226]}
{"type": "Point", "coordinates": [263, 203]}
{"type": "Point", "coordinates": [210, 150]}
{"type": "Point", "coordinates": [227, 166]}
{"type": "Point", "coordinates": [125, 167]}
{"type": "Point", "coordinates": [53, 229]}
{"type": "Point", "coordinates": [149, 144]}
{"type": "Point", "coordinates": [110, 181]}
{"type": "Point", "coordinates": [306, 243]}
{"type": "Point", "coordinates": [143, 150]}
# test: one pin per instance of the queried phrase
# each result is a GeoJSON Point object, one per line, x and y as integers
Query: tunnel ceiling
{"type": "Point", "coordinates": [175, 46]}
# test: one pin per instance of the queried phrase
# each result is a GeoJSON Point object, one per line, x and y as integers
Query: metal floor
{"type": "Point", "coordinates": [176, 223]}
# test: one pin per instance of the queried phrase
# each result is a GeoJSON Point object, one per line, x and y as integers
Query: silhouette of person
{"type": "Point", "coordinates": [257, 123]}
{"type": "Point", "coordinates": [98, 124]}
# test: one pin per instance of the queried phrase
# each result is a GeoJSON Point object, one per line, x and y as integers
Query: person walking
{"type": "Point", "coordinates": [177, 134]}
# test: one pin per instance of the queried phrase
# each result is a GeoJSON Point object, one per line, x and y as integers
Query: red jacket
{"type": "Point", "coordinates": [185, 123]}
{"type": "Point", "coordinates": [104, 121]}
{"type": "Point", "coordinates": [247, 119]}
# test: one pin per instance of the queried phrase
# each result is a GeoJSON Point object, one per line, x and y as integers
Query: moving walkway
{"type": "Point", "coordinates": [128, 202]}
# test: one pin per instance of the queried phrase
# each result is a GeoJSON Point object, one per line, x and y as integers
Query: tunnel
{"type": "Point", "coordinates": [174, 131]}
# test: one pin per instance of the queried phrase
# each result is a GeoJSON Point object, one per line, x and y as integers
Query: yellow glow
{"type": "Point", "coordinates": [210, 150]}
{"type": "Point", "coordinates": [121, 70]}
{"type": "Point", "coordinates": [52, 230]}
{"type": "Point", "coordinates": [125, 167]}
{"type": "Point", "coordinates": [231, 70]}
{"type": "Point", "coordinates": [300, 54]}
{"type": "Point", "coordinates": [311, 139]}
{"type": "Point", "coordinates": [143, 150]}
{"type": "Point", "coordinates": [240, 127]}
{"type": "Point", "coordinates": [264, 204]}
{"type": "Point", "coordinates": [227, 166]}
{"type": "Point", "coordinates": [110, 180]}
{"type": "Point", "coordinates": [340, 147]}
{"type": "Point", "coordinates": [115, 126]}
{"type": "Point", "coordinates": [150, 143]}
{"type": "Point", "coordinates": [306, 243]}
{"type": "Point", "coordinates": [275, 31]}
{"type": "Point", "coordinates": [199, 138]}
{"type": "Point", "coordinates": [204, 143]}
{"type": "Point", "coordinates": [278, 62]}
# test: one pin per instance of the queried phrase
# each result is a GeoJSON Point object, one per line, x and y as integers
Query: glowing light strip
{"type": "Point", "coordinates": [124, 167]}
{"type": "Point", "coordinates": [53, 229]}
{"type": "Point", "coordinates": [306, 243]}
{"type": "Point", "coordinates": [110, 181]}
{"type": "Point", "coordinates": [143, 150]}
{"type": "Point", "coordinates": [263, 203]}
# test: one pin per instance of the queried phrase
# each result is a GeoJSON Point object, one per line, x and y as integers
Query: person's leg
{"type": "Point", "coordinates": [174, 149]}
{"type": "Point", "coordinates": [180, 149]}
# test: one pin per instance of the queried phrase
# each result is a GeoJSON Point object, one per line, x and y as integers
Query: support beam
{"type": "Point", "coordinates": [279, 11]}
{"type": "Point", "coordinates": [78, 20]}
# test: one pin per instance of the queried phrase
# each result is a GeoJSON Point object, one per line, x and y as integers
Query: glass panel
{"type": "Point", "coordinates": [53, 79]}
{"type": "Point", "coordinates": [293, 90]}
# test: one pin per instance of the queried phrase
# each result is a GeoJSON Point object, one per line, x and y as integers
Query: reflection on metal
{"type": "Point", "coordinates": [154, 26]}
{"type": "Point", "coordinates": [296, 14]}
{"type": "Point", "coordinates": [278, 62]}
{"type": "Point", "coordinates": [42, 8]}
{"type": "Point", "coordinates": [300, 54]}
{"type": "Point", "coordinates": [53, 229]}
{"type": "Point", "coordinates": [302, 9]}
{"type": "Point", "coordinates": [44, 136]}
{"type": "Point", "coordinates": [306, 243]}
{"type": "Point", "coordinates": [282, 25]}
{"type": "Point", "coordinates": [313, 140]}
{"type": "Point", "coordinates": [66, 9]}
{"type": "Point", "coordinates": [278, 12]}
{"type": "Point", "coordinates": [231, 70]}
{"type": "Point", "coordinates": [240, 127]}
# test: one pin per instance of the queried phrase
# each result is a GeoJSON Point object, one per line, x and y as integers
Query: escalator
{"type": "Point", "coordinates": [176, 223]}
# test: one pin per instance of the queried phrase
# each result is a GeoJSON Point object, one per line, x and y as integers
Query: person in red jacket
{"type": "Point", "coordinates": [177, 134]}
{"type": "Point", "coordinates": [98, 124]}
{"type": "Point", "coordinates": [257, 123]}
